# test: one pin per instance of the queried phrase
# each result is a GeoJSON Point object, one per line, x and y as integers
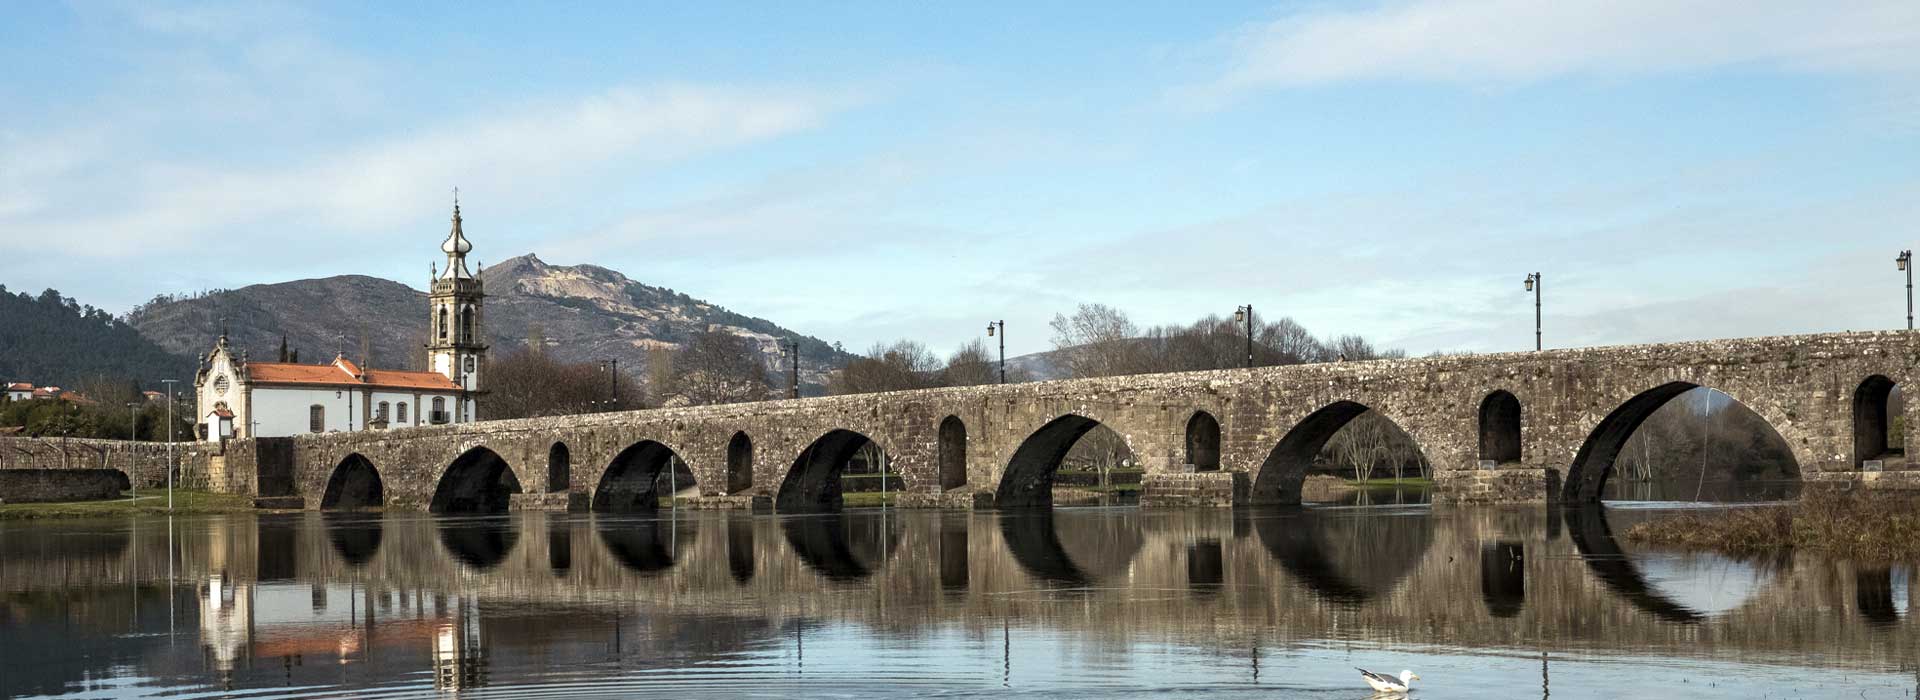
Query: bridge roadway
{"type": "Point", "coordinates": [1518, 579]}
{"type": "Point", "coordinates": [1513, 427]}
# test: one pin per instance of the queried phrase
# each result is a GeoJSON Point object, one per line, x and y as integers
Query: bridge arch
{"type": "Point", "coordinates": [1286, 465]}
{"type": "Point", "coordinates": [1873, 422]}
{"type": "Point", "coordinates": [739, 463]}
{"type": "Point", "coordinates": [353, 484]}
{"type": "Point", "coordinates": [953, 453]}
{"type": "Point", "coordinates": [1028, 479]}
{"type": "Point", "coordinates": [1203, 442]}
{"type": "Point", "coordinates": [813, 483]}
{"type": "Point", "coordinates": [630, 483]}
{"type": "Point", "coordinates": [478, 481]}
{"type": "Point", "coordinates": [1500, 427]}
{"type": "Point", "coordinates": [1593, 464]}
{"type": "Point", "coordinates": [559, 468]}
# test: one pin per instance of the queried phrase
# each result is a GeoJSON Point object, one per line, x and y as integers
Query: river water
{"type": "Point", "coordinates": [1080, 602]}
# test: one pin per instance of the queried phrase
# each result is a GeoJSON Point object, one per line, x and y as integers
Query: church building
{"type": "Point", "coordinates": [239, 398]}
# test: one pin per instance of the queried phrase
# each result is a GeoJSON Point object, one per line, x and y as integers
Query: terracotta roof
{"type": "Point", "coordinates": [19, 386]}
{"type": "Point", "coordinates": [343, 373]}
{"type": "Point", "coordinates": [222, 413]}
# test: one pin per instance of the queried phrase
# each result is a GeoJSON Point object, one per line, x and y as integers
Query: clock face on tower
{"type": "Point", "coordinates": [220, 385]}
{"type": "Point", "coordinates": [469, 364]}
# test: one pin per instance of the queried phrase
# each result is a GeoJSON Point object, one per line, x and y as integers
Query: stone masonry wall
{"type": "Point", "coordinates": [144, 463]}
{"type": "Point", "coordinates": [1802, 385]}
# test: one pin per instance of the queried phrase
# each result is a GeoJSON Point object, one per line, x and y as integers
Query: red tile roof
{"type": "Point", "coordinates": [19, 386]}
{"type": "Point", "coordinates": [222, 413]}
{"type": "Point", "coordinates": [344, 372]}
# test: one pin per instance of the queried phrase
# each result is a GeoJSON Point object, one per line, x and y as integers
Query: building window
{"type": "Point", "coordinates": [317, 418]}
{"type": "Point", "coordinates": [381, 415]}
{"type": "Point", "coordinates": [439, 409]}
{"type": "Point", "coordinates": [400, 415]}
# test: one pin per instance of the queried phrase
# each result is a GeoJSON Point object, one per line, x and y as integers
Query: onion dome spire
{"type": "Point", "coordinates": [456, 246]}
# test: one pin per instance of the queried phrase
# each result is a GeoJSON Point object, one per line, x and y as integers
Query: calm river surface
{"type": "Point", "coordinates": [1082, 602]}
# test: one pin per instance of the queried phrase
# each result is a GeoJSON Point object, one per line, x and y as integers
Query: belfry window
{"type": "Point", "coordinates": [443, 323]}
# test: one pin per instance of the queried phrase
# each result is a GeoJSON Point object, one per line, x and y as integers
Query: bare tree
{"type": "Point", "coordinates": [526, 383]}
{"type": "Point", "coordinates": [970, 366]}
{"type": "Point", "coordinates": [1096, 341]}
{"type": "Point", "coordinates": [903, 365]}
{"type": "Point", "coordinates": [719, 367]}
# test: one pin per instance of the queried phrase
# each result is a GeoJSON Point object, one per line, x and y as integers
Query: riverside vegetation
{"type": "Point", "coordinates": [1855, 524]}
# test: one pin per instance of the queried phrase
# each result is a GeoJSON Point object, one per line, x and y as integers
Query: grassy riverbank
{"type": "Point", "coordinates": [1859, 524]}
{"type": "Point", "coordinates": [185, 502]}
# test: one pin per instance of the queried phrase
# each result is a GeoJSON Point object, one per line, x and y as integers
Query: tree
{"type": "Point", "coordinates": [527, 383]}
{"type": "Point", "coordinates": [900, 366]}
{"type": "Point", "coordinates": [970, 366]}
{"type": "Point", "coordinates": [718, 367]}
{"type": "Point", "coordinates": [1096, 341]}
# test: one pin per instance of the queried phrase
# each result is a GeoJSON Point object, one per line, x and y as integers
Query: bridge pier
{"type": "Point", "coordinates": [1221, 489]}
{"type": "Point", "coordinates": [1508, 484]}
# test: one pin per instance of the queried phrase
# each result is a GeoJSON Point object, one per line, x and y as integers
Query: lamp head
{"type": "Point", "coordinates": [989, 330]}
{"type": "Point", "coordinates": [1239, 314]}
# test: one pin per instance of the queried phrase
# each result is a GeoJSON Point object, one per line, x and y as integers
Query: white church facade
{"type": "Point", "coordinates": [242, 399]}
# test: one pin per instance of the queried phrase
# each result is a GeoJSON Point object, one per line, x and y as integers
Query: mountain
{"type": "Point", "coordinates": [584, 312]}
{"type": "Point", "coordinates": [53, 340]}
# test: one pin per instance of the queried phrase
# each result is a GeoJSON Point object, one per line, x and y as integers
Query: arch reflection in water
{"type": "Point", "coordinates": [645, 545]}
{"type": "Point", "coordinates": [1503, 577]}
{"type": "Point", "coordinates": [847, 547]}
{"type": "Point", "coordinates": [1881, 593]}
{"type": "Point", "coordinates": [1598, 549]}
{"type": "Point", "coordinates": [740, 554]}
{"type": "Point", "coordinates": [1072, 548]}
{"type": "Point", "coordinates": [1346, 558]}
{"type": "Point", "coordinates": [354, 536]}
{"type": "Point", "coordinates": [559, 543]}
{"type": "Point", "coordinates": [481, 543]}
{"type": "Point", "coordinates": [277, 538]}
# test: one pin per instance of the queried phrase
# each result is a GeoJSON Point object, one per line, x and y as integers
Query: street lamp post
{"type": "Point", "coordinates": [612, 368]}
{"type": "Point", "coordinates": [792, 348]}
{"type": "Point", "coordinates": [133, 435]}
{"type": "Point", "coordinates": [168, 383]}
{"type": "Point", "coordinates": [1533, 285]}
{"type": "Point", "coordinates": [1003, 346]}
{"type": "Point", "coordinates": [1905, 261]}
{"type": "Point", "coordinates": [1244, 314]}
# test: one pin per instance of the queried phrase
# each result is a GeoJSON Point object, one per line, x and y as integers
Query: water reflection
{"type": "Point", "coordinates": [645, 545]}
{"type": "Point", "coordinates": [912, 603]}
{"type": "Point", "coordinates": [481, 543]}
{"type": "Point", "coordinates": [1071, 548]}
{"type": "Point", "coordinates": [355, 536]}
{"type": "Point", "coordinates": [1503, 577]}
{"type": "Point", "coordinates": [1346, 557]}
{"type": "Point", "coordinates": [1602, 554]}
{"type": "Point", "coordinates": [843, 547]}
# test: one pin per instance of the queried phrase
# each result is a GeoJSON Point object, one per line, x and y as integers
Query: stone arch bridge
{"type": "Point", "coordinates": [1513, 427]}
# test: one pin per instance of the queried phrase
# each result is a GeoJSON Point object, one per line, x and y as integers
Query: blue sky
{"type": "Point", "coordinates": [864, 172]}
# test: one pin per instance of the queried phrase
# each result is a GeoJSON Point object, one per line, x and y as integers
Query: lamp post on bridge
{"type": "Point", "coordinates": [612, 368]}
{"type": "Point", "coordinates": [1905, 262]}
{"type": "Point", "coordinates": [791, 347]}
{"type": "Point", "coordinates": [1003, 346]}
{"type": "Point", "coordinates": [1244, 315]}
{"type": "Point", "coordinates": [168, 383]}
{"type": "Point", "coordinates": [133, 435]}
{"type": "Point", "coordinates": [1534, 284]}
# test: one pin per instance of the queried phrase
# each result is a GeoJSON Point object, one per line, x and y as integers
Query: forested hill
{"type": "Point", "coordinates": [53, 340]}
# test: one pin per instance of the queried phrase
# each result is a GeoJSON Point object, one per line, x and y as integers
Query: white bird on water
{"type": "Point", "coordinates": [1384, 683]}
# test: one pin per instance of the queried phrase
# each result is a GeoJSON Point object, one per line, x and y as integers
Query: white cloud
{"type": "Point", "coordinates": [1494, 42]}
{"type": "Point", "coordinates": [534, 149]}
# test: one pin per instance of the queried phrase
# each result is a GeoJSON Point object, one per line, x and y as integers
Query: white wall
{"type": "Point", "coordinates": [282, 411]}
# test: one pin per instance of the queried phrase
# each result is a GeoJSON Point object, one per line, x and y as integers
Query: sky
{"type": "Point", "coordinates": [870, 171]}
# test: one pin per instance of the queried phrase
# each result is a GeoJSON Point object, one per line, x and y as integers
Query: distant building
{"type": "Point", "coordinates": [19, 391]}
{"type": "Point", "coordinates": [26, 391]}
{"type": "Point", "coordinates": [239, 398]}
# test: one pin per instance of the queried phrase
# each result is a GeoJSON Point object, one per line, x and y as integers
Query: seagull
{"type": "Point", "coordinates": [1388, 684]}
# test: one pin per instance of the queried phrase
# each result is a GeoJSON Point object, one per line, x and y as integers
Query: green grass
{"type": "Point", "coordinates": [154, 502]}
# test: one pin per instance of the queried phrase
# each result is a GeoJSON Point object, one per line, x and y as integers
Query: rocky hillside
{"type": "Point", "coordinates": [584, 312]}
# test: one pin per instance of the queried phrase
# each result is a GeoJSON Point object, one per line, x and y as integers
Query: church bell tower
{"type": "Point", "coordinates": [456, 343]}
